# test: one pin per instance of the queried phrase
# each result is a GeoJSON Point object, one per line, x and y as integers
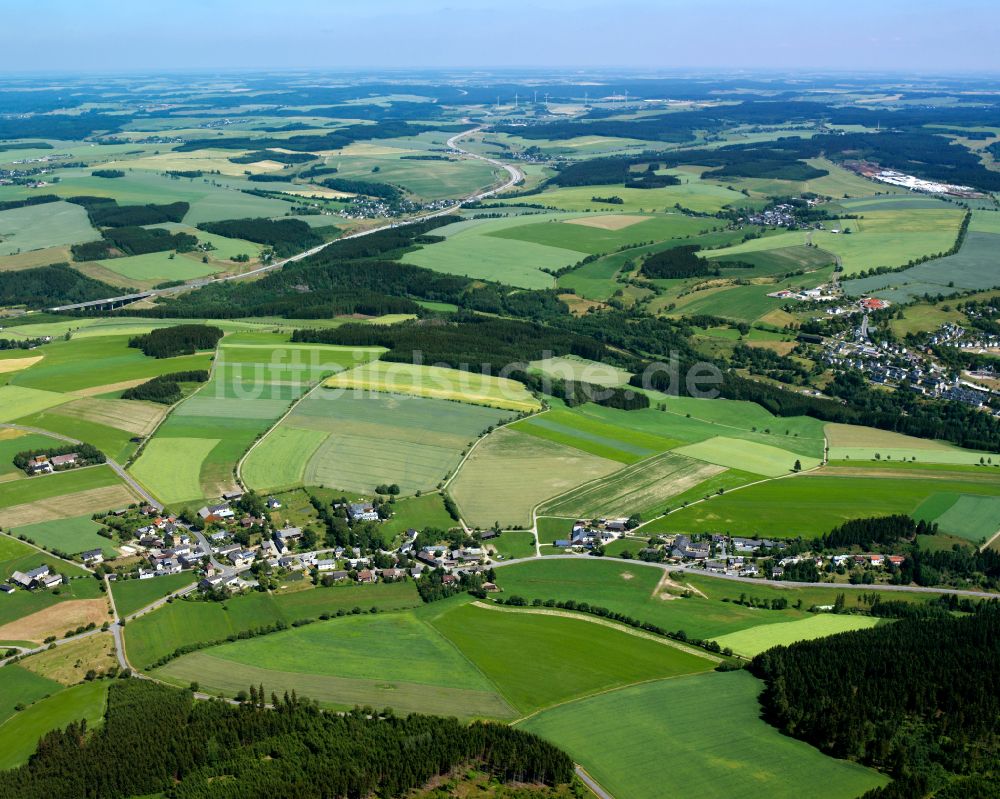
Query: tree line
{"type": "Point", "coordinates": [156, 739]}
{"type": "Point", "coordinates": [285, 236]}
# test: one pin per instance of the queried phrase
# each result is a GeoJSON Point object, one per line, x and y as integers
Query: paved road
{"type": "Point", "coordinates": [673, 567]}
{"type": "Point", "coordinates": [142, 492]}
{"type": "Point", "coordinates": [513, 172]}
{"type": "Point", "coordinates": [589, 781]}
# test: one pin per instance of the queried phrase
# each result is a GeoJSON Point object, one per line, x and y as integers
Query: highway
{"type": "Point", "coordinates": [514, 176]}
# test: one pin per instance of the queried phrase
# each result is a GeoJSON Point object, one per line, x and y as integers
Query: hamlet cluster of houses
{"type": "Point", "coordinates": [594, 533]}
{"type": "Point", "coordinates": [41, 577]}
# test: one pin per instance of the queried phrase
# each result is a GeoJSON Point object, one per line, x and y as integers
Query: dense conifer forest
{"type": "Point", "coordinates": [157, 739]}
{"type": "Point", "coordinates": [919, 699]}
{"type": "Point", "coordinates": [166, 342]}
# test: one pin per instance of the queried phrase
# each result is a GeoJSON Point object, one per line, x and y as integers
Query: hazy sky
{"type": "Point", "coordinates": [926, 35]}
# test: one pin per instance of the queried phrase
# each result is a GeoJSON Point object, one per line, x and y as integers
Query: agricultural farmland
{"type": "Point", "coordinates": [510, 472]}
{"type": "Point", "coordinates": [355, 441]}
{"type": "Point", "coordinates": [642, 488]}
{"type": "Point", "coordinates": [182, 623]}
{"type": "Point", "coordinates": [616, 735]}
{"type": "Point", "coordinates": [20, 734]}
{"type": "Point", "coordinates": [392, 659]}
{"type": "Point", "coordinates": [816, 503]}
{"type": "Point", "coordinates": [755, 640]}
{"type": "Point", "coordinates": [60, 496]}
{"type": "Point", "coordinates": [570, 657]}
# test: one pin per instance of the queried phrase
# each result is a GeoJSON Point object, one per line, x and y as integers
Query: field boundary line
{"type": "Point", "coordinates": [566, 614]}
{"type": "Point", "coordinates": [46, 552]}
{"type": "Point", "coordinates": [477, 442]}
{"type": "Point", "coordinates": [239, 464]}
{"type": "Point", "coordinates": [472, 663]}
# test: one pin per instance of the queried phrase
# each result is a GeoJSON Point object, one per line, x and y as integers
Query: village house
{"type": "Point", "coordinates": [362, 512]}
{"type": "Point", "coordinates": [34, 578]}
{"type": "Point", "coordinates": [393, 574]}
{"type": "Point", "coordinates": [289, 563]}
{"type": "Point", "coordinates": [326, 565]}
{"type": "Point", "coordinates": [242, 558]}
{"type": "Point", "coordinates": [366, 576]}
{"type": "Point", "coordinates": [273, 504]}
{"type": "Point", "coordinates": [92, 557]}
{"type": "Point", "coordinates": [287, 538]}
{"type": "Point", "coordinates": [39, 465]}
{"type": "Point", "coordinates": [216, 513]}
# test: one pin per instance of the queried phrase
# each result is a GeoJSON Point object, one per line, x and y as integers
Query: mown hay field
{"type": "Point", "coordinates": [357, 441]}
{"type": "Point", "coordinates": [642, 488]}
{"type": "Point", "coordinates": [510, 472]}
{"type": "Point", "coordinates": [748, 456]}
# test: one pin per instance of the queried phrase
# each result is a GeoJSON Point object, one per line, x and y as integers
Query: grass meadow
{"type": "Point", "coordinates": [180, 623]}
{"type": "Point", "coordinates": [357, 440]}
{"type": "Point", "coordinates": [72, 536]}
{"type": "Point", "coordinates": [133, 595]}
{"type": "Point", "coordinates": [816, 503]}
{"type": "Point", "coordinates": [19, 735]}
{"type": "Point", "coordinates": [753, 641]}
{"type": "Point", "coordinates": [707, 733]}
{"type": "Point", "coordinates": [18, 685]}
{"type": "Point", "coordinates": [393, 659]}
{"type": "Point", "coordinates": [510, 472]}
{"type": "Point", "coordinates": [569, 657]}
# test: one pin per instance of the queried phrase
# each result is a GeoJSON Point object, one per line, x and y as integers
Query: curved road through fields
{"type": "Point", "coordinates": [514, 176]}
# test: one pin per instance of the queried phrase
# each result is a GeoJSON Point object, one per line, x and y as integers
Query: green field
{"type": "Point", "coordinates": [256, 379]}
{"type": "Point", "coordinates": [635, 588]}
{"type": "Point", "coordinates": [59, 484]}
{"type": "Point", "coordinates": [696, 195]}
{"type": "Point", "coordinates": [510, 472]}
{"type": "Point", "coordinates": [755, 640]}
{"type": "Point", "coordinates": [133, 595]}
{"type": "Point", "coordinates": [48, 225]}
{"type": "Point", "coordinates": [972, 268]}
{"type": "Point", "coordinates": [879, 238]}
{"type": "Point", "coordinates": [706, 732]}
{"type": "Point", "coordinates": [436, 382]}
{"type": "Point", "coordinates": [160, 266]}
{"type": "Point", "coordinates": [569, 657]}
{"type": "Point", "coordinates": [514, 544]}
{"type": "Point", "coordinates": [641, 488]}
{"type": "Point", "coordinates": [973, 518]}
{"type": "Point", "coordinates": [581, 370]}
{"type": "Point", "coordinates": [394, 660]}
{"type": "Point", "coordinates": [180, 623]}
{"type": "Point", "coordinates": [84, 363]}
{"type": "Point", "coordinates": [17, 402]}
{"type": "Point", "coordinates": [170, 467]}
{"type": "Point", "coordinates": [279, 461]}
{"type": "Point", "coordinates": [814, 504]}
{"type": "Point", "coordinates": [20, 686]}
{"type": "Point", "coordinates": [596, 233]}
{"type": "Point", "coordinates": [71, 536]}
{"type": "Point", "coordinates": [418, 513]}
{"type": "Point", "coordinates": [607, 437]}
{"type": "Point", "coordinates": [358, 440]}
{"type": "Point", "coordinates": [469, 250]}
{"type": "Point", "coordinates": [19, 735]}
{"type": "Point", "coordinates": [749, 456]}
